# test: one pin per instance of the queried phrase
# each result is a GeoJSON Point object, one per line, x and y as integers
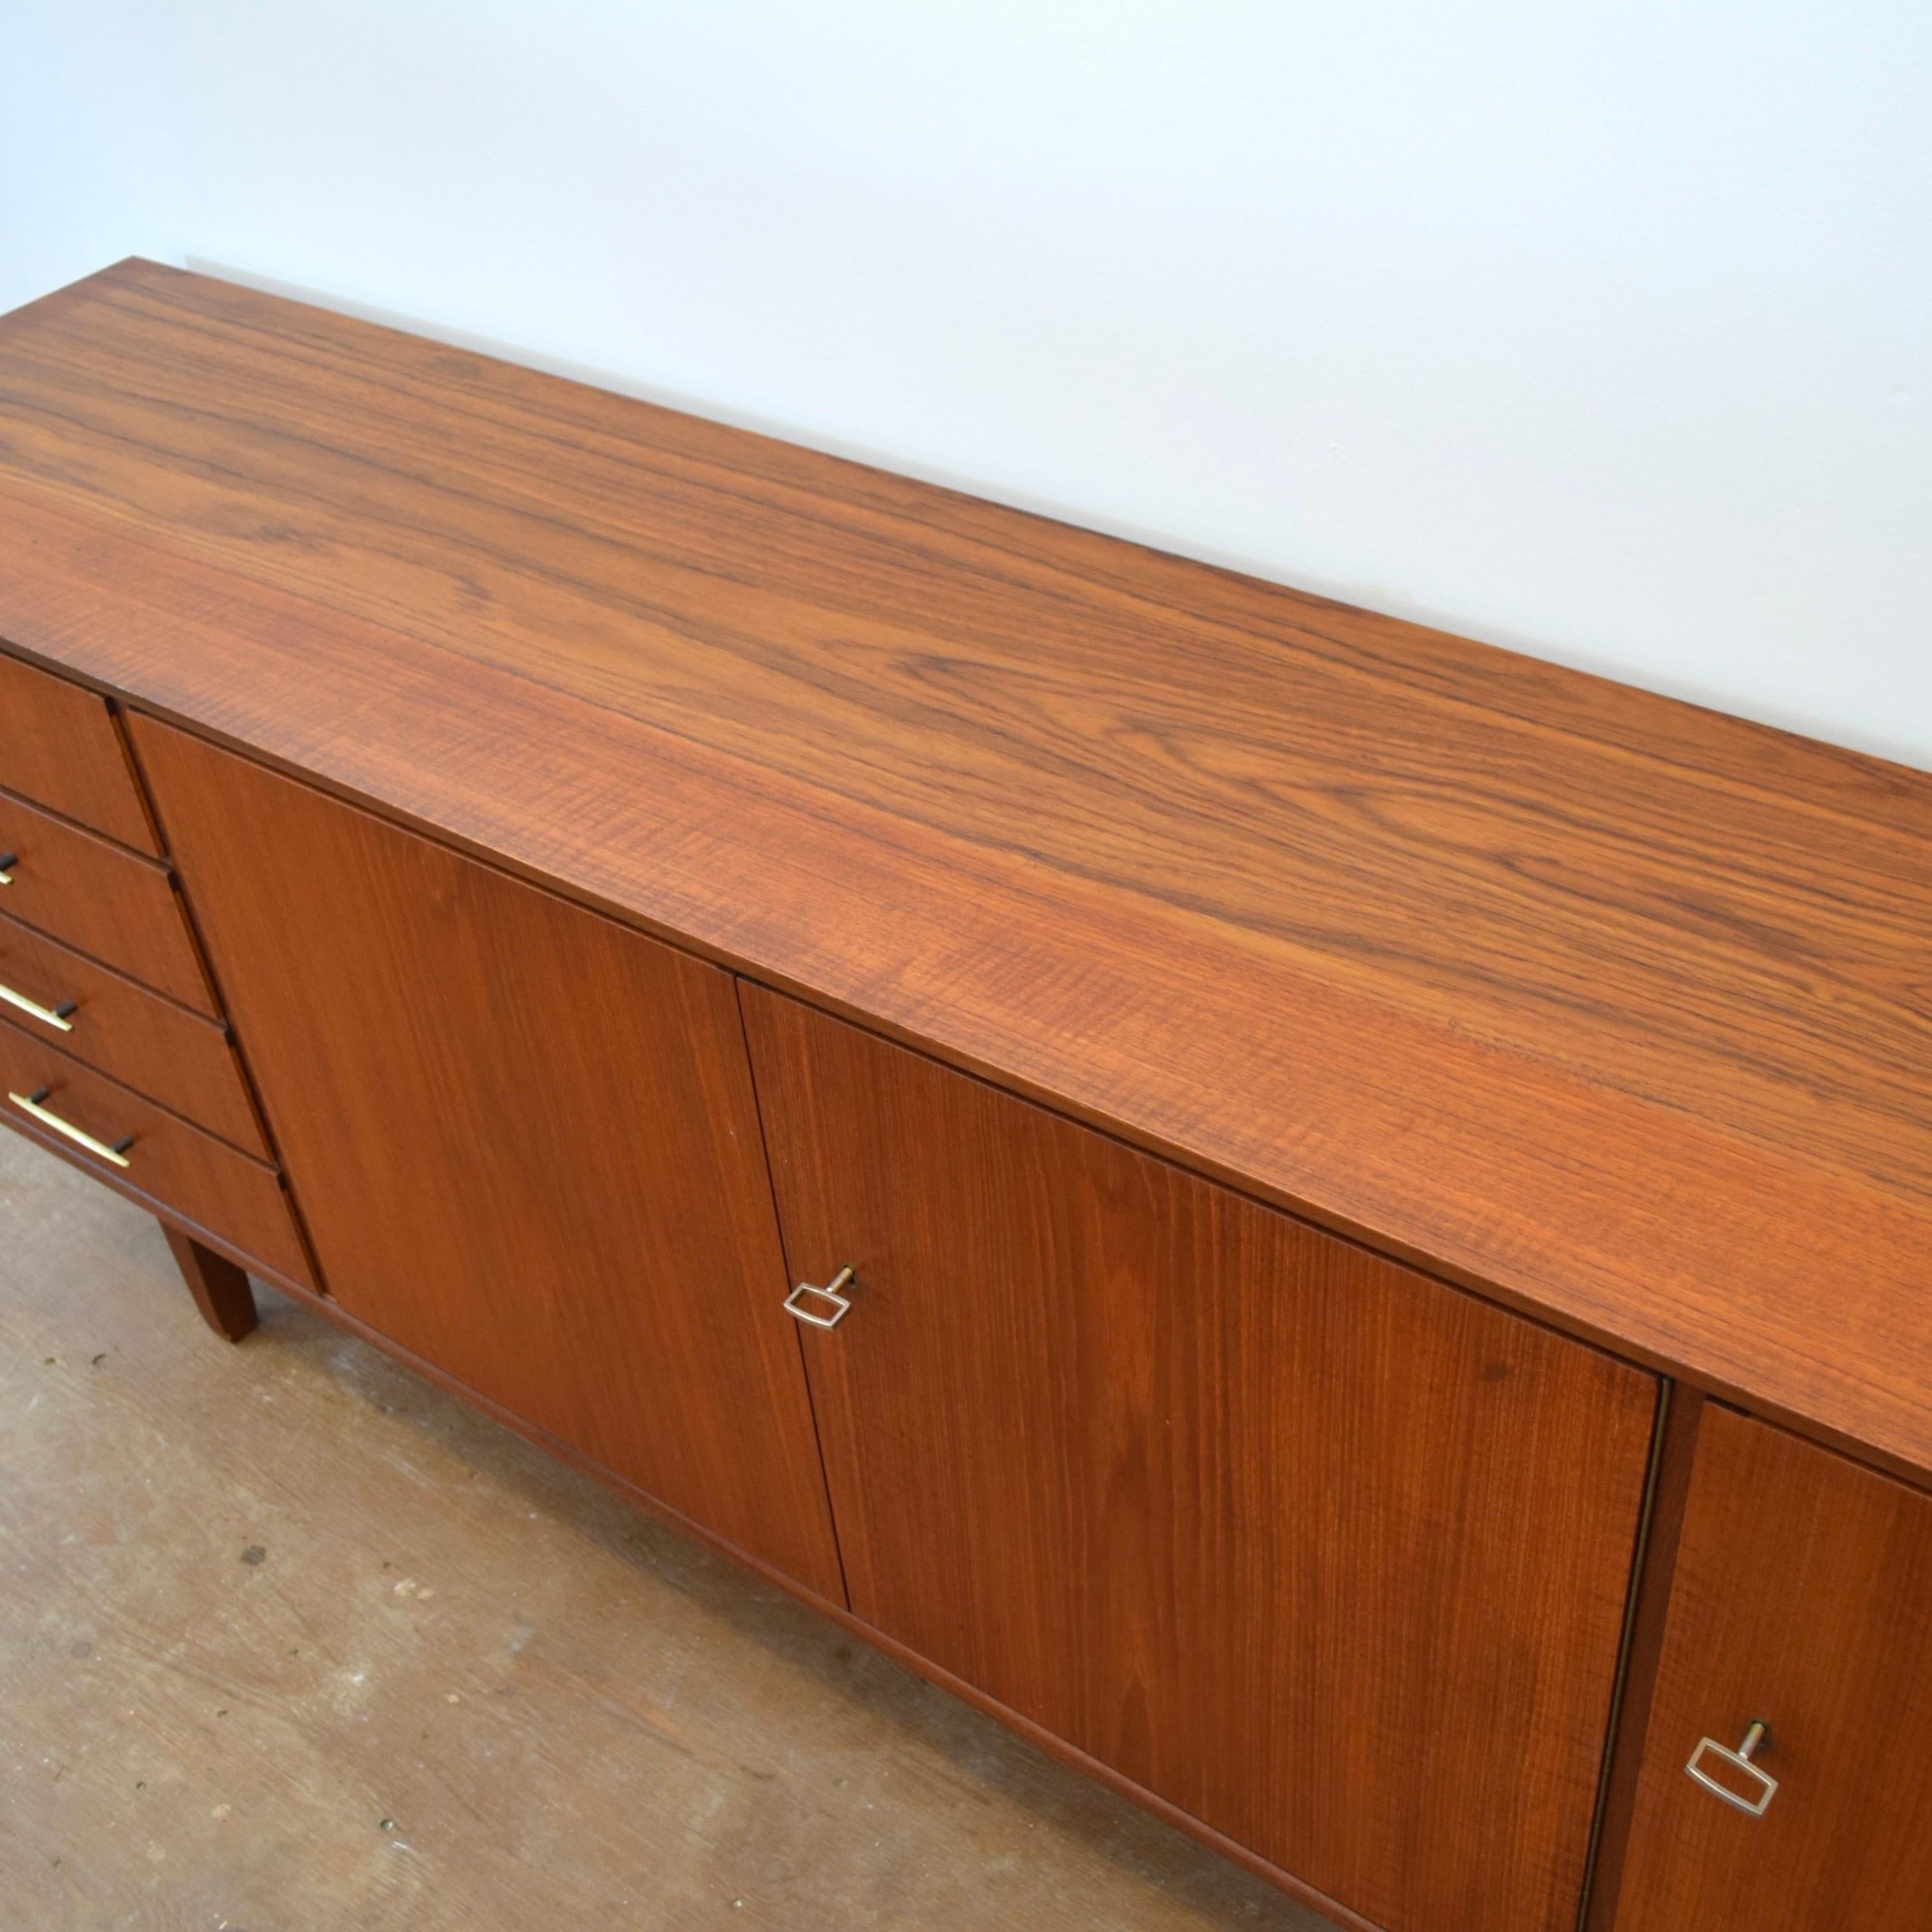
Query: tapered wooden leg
{"type": "Point", "coordinates": [221, 1289]}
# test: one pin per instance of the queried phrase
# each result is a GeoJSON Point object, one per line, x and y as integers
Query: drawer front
{"type": "Point", "coordinates": [237, 1200]}
{"type": "Point", "coordinates": [59, 744]}
{"type": "Point", "coordinates": [105, 902]}
{"type": "Point", "coordinates": [64, 999]}
{"type": "Point", "coordinates": [1799, 1602]}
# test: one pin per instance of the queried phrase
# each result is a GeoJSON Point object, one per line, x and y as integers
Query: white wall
{"type": "Point", "coordinates": [1605, 330]}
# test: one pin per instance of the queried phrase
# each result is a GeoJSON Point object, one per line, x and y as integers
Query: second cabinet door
{"type": "Point", "coordinates": [1331, 1556]}
{"type": "Point", "coordinates": [524, 1139]}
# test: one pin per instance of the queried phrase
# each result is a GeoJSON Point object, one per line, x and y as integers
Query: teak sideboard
{"type": "Point", "coordinates": [1333, 1223]}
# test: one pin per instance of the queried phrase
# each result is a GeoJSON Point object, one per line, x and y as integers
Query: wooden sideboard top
{"type": "Point", "coordinates": [1618, 1009]}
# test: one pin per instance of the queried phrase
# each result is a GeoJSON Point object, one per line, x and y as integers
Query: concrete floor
{"type": "Point", "coordinates": [288, 1640]}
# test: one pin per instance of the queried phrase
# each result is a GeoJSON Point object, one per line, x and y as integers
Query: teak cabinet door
{"type": "Point", "coordinates": [524, 1139]}
{"type": "Point", "coordinates": [1802, 1600]}
{"type": "Point", "coordinates": [1329, 1555]}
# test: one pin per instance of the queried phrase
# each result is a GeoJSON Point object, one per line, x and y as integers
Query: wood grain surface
{"type": "Point", "coordinates": [172, 1054]}
{"type": "Point", "coordinates": [100, 900]}
{"type": "Point", "coordinates": [1801, 1601]}
{"type": "Point", "coordinates": [59, 745]}
{"type": "Point", "coordinates": [1614, 1008]}
{"type": "Point", "coordinates": [523, 1139]}
{"type": "Point", "coordinates": [203, 1179]}
{"type": "Point", "coordinates": [1331, 1556]}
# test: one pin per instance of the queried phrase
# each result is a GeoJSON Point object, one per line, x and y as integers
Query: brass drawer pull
{"type": "Point", "coordinates": [841, 1305]}
{"type": "Point", "coordinates": [1739, 1759]}
{"type": "Point", "coordinates": [53, 1016]}
{"type": "Point", "coordinates": [30, 1103]}
{"type": "Point", "coordinates": [8, 860]}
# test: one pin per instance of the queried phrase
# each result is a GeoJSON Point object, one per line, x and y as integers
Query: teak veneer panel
{"type": "Point", "coordinates": [174, 1163]}
{"type": "Point", "coordinates": [1801, 1601]}
{"type": "Point", "coordinates": [167, 1052]}
{"type": "Point", "coordinates": [1612, 1007]}
{"type": "Point", "coordinates": [1331, 1556]}
{"type": "Point", "coordinates": [93, 896]}
{"type": "Point", "coordinates": [524, 1141]}
{"type": "Point", "coordinates": [59, 745]}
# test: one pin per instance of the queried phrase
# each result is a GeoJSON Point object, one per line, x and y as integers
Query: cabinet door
{"type": "Point", "coordinates": [1331, 1556]}
{"type": "Point", "coordinates": [1802, 1600]}
{"type": "Point", "coordinates": [523, 1139]}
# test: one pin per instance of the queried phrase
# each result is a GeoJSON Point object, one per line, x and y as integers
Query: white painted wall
{"type": "Point", "coordinates": [1602, 330]}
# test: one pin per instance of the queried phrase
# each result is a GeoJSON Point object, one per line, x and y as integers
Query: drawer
{"type": "Point", "coordinates": [59, 744]}
{"type": "Point", "coordinates": [91, 895]}
{"type": "Point", "coordinates": [64, 999]}
{"type": "Point", "coordinates": [237, 1200]}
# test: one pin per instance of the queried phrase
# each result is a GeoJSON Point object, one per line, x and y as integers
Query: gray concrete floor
{"type": "Point", "coordinates": [289, 1640]}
